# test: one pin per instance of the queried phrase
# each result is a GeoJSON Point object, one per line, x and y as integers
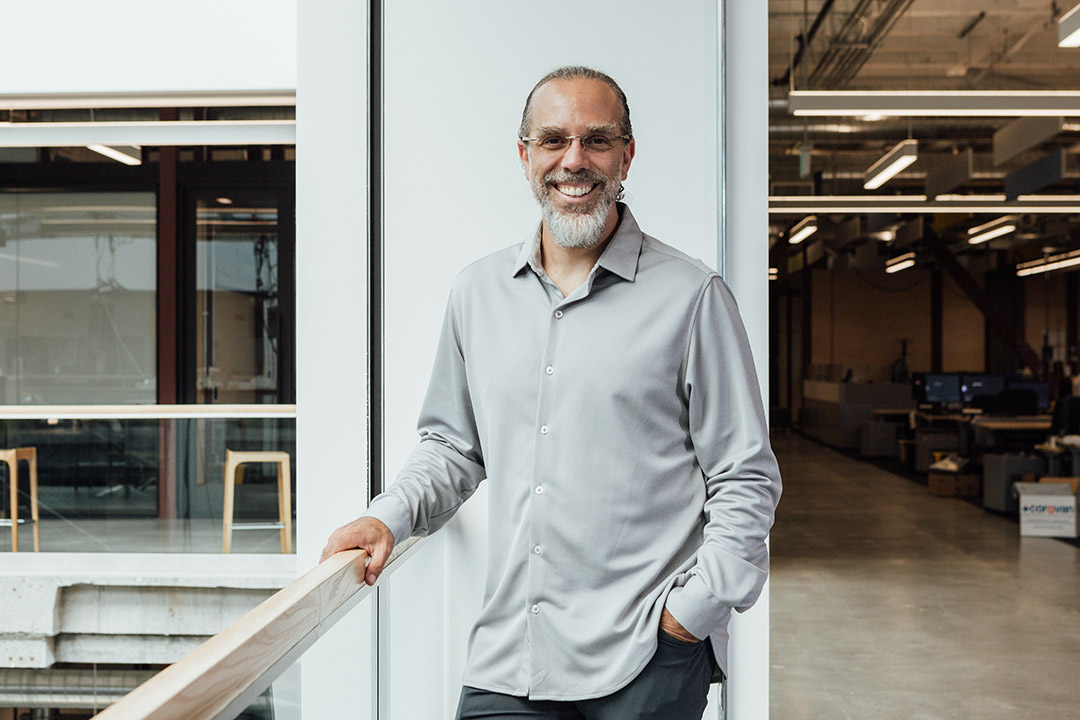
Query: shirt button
{"type": "Point", "coordinates": [535, 609]}
{"type": "Point", "coordinates": [558, 314]}
{"type": "Point", "coordinates": [538, 550]}
{"type": "Point", "coordinates": [549, 370]}
{"type": "Point", "coordinates": [539, 489]}
{"type": "Point", "coordinates": [543, 429]}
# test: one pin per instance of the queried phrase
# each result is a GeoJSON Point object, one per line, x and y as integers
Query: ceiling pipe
{"type": "Point", "coordinates": [804, 42]}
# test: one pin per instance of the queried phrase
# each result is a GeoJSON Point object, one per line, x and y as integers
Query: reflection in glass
{"type": "Point", "coordinates": [77, 298]}
{"type": "Point", "coordinates": [237, 299]}
{"type": "Point", "coordinates": [99, 488]}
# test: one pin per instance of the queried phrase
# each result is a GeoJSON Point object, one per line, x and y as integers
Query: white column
{"type": "Point", "coordinates": [745, 39]}
{"type": "Point", "coordinates": [331, 321]}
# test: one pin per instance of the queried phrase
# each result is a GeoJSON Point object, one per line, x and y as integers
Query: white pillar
{"type": "Point", "coordinates": [745, 39]}
{"type": "Point", "coordinates": [331, 322]}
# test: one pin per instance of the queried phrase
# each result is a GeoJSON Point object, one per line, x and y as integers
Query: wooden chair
{"type": "Point", "coordinates": [12, 458]}
{"type": "Point", "coordinates": [233, 470]}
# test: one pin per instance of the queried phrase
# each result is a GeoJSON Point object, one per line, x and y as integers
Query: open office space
{"type": "Point", "coordinates": [223, 273]}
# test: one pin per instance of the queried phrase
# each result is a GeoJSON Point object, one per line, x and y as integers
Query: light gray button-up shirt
{"type": "Point", "coordinates": [622, 434]}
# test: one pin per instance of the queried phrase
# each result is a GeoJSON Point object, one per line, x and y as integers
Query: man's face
{"type": "Point", "coordinates": [576, 187]}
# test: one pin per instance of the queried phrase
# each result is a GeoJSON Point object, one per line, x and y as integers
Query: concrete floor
{"type": "Point", "coordinates": [889, 603]}
{"type": "Point", "coordinates": [141, 535]}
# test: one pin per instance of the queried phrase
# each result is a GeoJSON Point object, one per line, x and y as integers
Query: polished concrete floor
{"type": "Point", "coordinates": [141, 535]}
{"type": "Point", "coordinates": [889, 603]}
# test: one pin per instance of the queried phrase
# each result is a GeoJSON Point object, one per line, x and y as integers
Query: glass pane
{"type": "Point", "coordinates": [237, 293]}
{"type": "Point", "coordinates": [78, 278]}
{"type": "Point", "coordinates": [102, 484]}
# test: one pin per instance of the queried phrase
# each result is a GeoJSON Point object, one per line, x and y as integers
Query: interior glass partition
{"type": "Point", "coordinates": [237, 298]}
{"type": "Point", "coordinates": [77, 298]}
{"type": "Point", "coordinates": [101, 478]}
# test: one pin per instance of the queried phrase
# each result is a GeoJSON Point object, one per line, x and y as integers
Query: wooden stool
{"type": "Point", "coordinates": [233, 461]}
{"type": "Point", "coordinates": [12, 458]}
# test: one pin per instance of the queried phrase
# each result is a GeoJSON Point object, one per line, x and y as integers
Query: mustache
{"type": "Point", "coordinates": [581, 176]}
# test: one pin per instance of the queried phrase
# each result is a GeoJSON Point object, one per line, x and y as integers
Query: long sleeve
{"type": "Point", "coordinates": [731, 443]}
{"type": "Point", "coordinates": [447, 465]}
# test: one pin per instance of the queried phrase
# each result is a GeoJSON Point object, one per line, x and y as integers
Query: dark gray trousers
{"type": "Point", "coordinates": [673, 686]}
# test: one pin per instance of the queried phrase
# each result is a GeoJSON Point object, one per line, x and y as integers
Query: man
{"type": "Point", "coordinates": [602, 382]}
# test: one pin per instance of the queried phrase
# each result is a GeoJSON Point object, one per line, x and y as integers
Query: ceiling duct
{"type": "Point", "coordinates": [865, 27]}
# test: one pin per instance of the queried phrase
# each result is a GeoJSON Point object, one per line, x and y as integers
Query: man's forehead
{"type": "Point", "coordinates": [576, 95]}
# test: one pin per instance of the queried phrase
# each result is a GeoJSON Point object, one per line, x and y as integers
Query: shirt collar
{"type": "Point", "coordinates": [619, 257]}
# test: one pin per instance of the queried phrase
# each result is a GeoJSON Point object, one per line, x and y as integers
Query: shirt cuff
{"type": "Point", "coordinates": [393, 513]}
{"type": "Point", "coordinates": [695, 607]}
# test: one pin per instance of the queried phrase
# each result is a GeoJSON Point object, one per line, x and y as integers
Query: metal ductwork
{"type": "Point", "coordinates": [67, 688]}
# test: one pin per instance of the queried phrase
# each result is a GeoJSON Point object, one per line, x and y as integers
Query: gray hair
{"type": "Point", "coordinates": [570, 72]}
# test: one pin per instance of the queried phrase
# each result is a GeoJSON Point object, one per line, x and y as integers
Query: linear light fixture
{"type": "Point", "coordinates": [803, 229]}
{"type": "Point", "coordinates": [963, 204]}
{"type": "Point", "coordinates": [935, 103]}
{"type": "Point", "coordinates": [890, 165]}
{"type": "Point", "coordinates": [1052, 262]}
{"type": "Point", "coordinates": [209, 98]}
{"type": "Point", "coordinates": [127, 154]}
{"type": "Point", "coordinates": [152, 133]}
{"type": "Point", "coordinates": [1069, 28]}
{"type": "Point", "coordinates": [900, 262]}
{"type": "Point", "coordinates": [774, 273]}
{"type": "Point", "coordinates": [993, 229]}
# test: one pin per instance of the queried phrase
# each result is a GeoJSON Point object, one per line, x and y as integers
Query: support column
{"type": "Point", "coordinates": [168, 318]}
{"type": "Point", "coordinates": [936, 321]}
{"type": "Point", "coordinates": [744, 43]}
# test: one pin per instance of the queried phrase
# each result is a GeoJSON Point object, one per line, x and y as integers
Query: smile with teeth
{"type": "Point", "coordinates": [575, 190]}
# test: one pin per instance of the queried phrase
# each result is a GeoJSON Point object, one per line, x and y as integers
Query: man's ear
{"type": "Point", "coordinates": [628, 157]}
{"type": "Point", "coordinates": [523, 157]}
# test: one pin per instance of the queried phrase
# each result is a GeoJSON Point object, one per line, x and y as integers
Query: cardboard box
{"type": "Point", "coordinates": [1047, 510]}
{"type": "Point", "coordinates": [1072, 482]}
{"type": "Point", "coordinates": [953, 484]}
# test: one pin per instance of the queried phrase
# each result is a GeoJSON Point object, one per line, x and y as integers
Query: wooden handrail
{"type": "Point", "coordinates": [226, 673]}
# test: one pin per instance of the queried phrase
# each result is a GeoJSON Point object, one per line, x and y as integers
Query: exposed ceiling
{"type": "Point", "coordinates": [950, 45]}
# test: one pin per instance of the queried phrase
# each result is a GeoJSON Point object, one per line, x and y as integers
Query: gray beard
{"type": "Point", "coordinates": [582, 230]}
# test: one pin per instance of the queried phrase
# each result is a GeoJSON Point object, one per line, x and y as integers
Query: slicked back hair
{"type": "Point", "coordinates": [571, 72]}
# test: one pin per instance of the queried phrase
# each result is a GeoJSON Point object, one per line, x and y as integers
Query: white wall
{"type": "Point", "coordinates": [138, 46]}
{"type": "Point", "coordinates": [331, 336]}
{"type": "Point", "coordinates": [456, 77]}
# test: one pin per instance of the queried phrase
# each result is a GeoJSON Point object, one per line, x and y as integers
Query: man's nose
{"type": "Point", "coordinates": [575, 158]}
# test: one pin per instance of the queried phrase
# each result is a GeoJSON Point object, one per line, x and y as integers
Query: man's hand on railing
{"type": "Point", "coordinates": [370, 535]}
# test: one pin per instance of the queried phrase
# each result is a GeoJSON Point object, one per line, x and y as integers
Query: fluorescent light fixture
{"type": "Point", "coordinates": [970, 198]}
{"type": "Point", "coordinates": [900, 262]}
{"type": "Point", "coordinates": [127, 154]}
{"type": "Point", "coordinates": [991, 230]}
{"type": "Point", "coordinates": [224, 201]}
{"type": "Point", "coordinates": [890, 165]}
{"type": "Point", "coordinates": [883, 204]}
{"type": "Point", "coordinates": [149, 133]}
{"type": "Point", "coordinates": [935, 103]}
{"type": "Point", "coordinates": [774, 273]}
{"type": "Point", "coordinates": [183, 98]}
{"type": "Point", "coordinates": [802, 230]}
{"type": "Point", "coordinates": [1052, 262]}
{"type": "Point", "coordinates": [1069, 28]}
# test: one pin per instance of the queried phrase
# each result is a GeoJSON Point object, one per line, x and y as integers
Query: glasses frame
{"type": "Point", "coordinates": [579, 138]}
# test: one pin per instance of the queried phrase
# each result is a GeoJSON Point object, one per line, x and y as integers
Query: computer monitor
{"type": "Point", "coordinates": [1040, 389]}
{"type": "Point", "coordinates": [942, 389]}
{"type": "Point", "coordinates": [980, 385]}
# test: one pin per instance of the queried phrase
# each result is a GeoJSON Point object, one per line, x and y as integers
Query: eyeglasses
{"type": "Point", "coordinates": [595, 142]}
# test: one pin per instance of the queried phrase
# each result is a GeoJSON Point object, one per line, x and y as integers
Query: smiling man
{"type": "Point", "coordinates": [602, 383]}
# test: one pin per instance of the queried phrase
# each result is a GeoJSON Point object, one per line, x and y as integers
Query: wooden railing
{"type": "Point", "coordinates": [226, 673]}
